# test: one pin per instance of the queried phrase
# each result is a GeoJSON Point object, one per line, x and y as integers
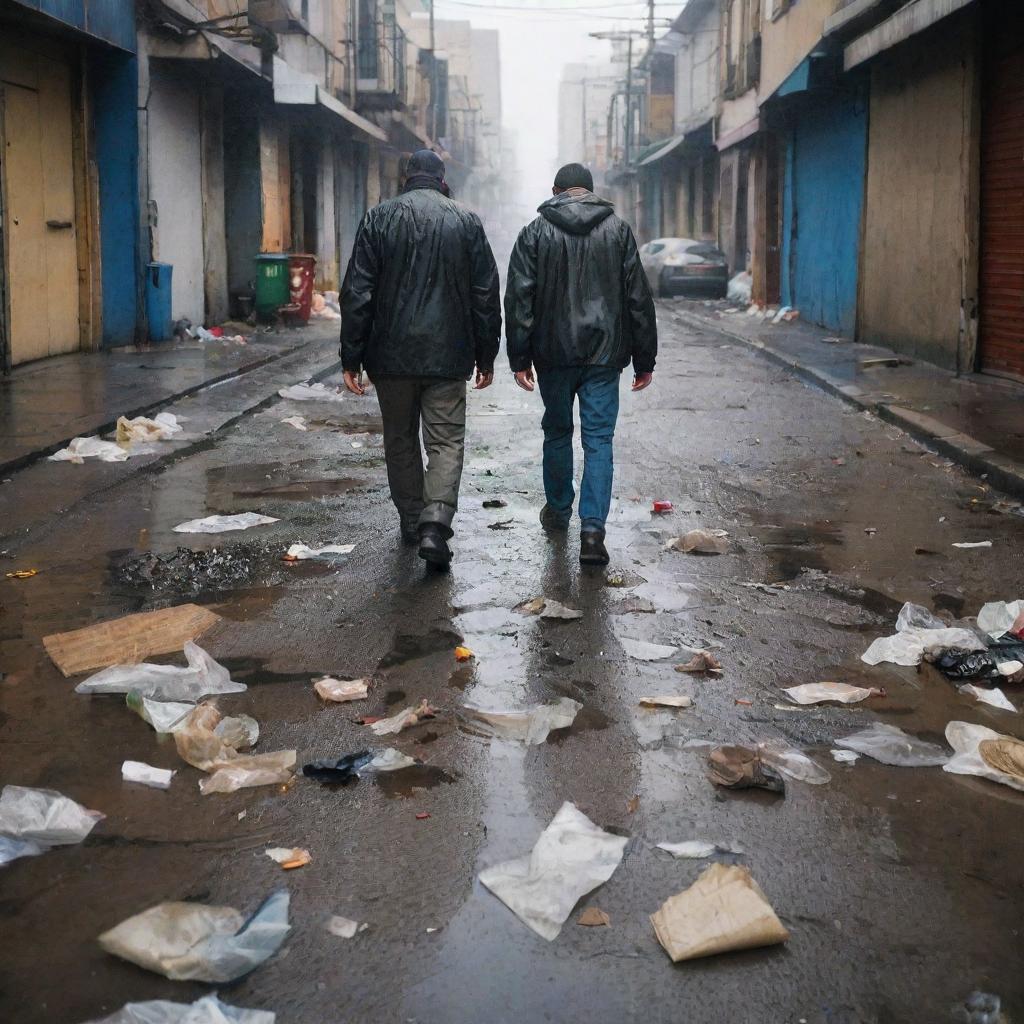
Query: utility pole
{"type": "Point", "coordinates": [583, 103]}
{"type": "Point", "coordinates": [433, 78]}
{"type": "Point", "coordinates": [627, 35]}
{"type": "Point", "coordinates": [650, 25]}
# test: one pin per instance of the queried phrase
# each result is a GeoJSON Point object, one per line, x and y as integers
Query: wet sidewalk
{"type": "Point", "coordinates": [46, 403]}
{"type": "Point", "coordinates": [976, 420]}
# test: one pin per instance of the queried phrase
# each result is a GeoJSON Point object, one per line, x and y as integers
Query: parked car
{"type": "Point", "coordinates": [675, 266]}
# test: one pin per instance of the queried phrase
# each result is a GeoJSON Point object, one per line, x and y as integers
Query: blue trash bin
{"type": "Point", "coordinates": [158, 300]}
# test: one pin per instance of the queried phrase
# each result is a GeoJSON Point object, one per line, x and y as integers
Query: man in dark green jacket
{"type": "Point", "coordinates": [420, 308]}
{"type": "Point", "coordinates": [578, 310]}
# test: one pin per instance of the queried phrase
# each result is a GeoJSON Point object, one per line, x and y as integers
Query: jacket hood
{"type": "Point", "coordinates": [577, 214]}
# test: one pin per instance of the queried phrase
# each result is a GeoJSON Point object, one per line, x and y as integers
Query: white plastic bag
{"type": "Point", "coordinates": [225, 524]}
{"type": "Point", "coordinates": [341, 690]}
{"type": "Point", "coordinates": [208, 1010]}
{"type": "Point", "coordinates": [311, 392]}
{"type": "Point", "coordinates": [815, 693]}
{"type": "Point", "coordinates": [792, 763]}
{"type": "Point", "coordinates": [528, 725]}
{"type": "Point", "coordinates": [201, 678]}
{"type": "Point", "coordinates": [81, 448]}
{"type": "Point", "coordinates": [994, 697]}
{"type": "Point", "coordinates": [692, 849]}
{"type": "Point", "coordinates": [195, 942]}
{"type": "Point", "coordinates": [996, 617]}
{"type": "Point", "coordinates": [909, 646]}
{"type": "Point", "coordinates": [547, 608]}
{"type": "Point", "coordinates": [300, 552]}
{"type": "Point", "coordinates": [44, 816]}
{"type": "Point", "coordinates": [403, 719]}
{"type": "Point", "coordinates": [166, 716]}
{"type": "Point", "coordinates": [644, 651]}
{"type": "Point", "coordinates": [890, 745]}
{"type": "Point", "coordinates": [571, 857]}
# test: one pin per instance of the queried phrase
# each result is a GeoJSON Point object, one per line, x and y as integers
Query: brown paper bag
{"type": "Point", "coordinates": [723, 910]}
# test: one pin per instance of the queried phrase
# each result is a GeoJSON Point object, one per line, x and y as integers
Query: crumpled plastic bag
{"type": "Point", "coordinates": [161, 427]}
{"type": "Point", "coordinates": [311, 392]}
{"type": "Point", "coordinates": [248, 771]}
{"type": "Point", "coordinates": [343, 770]}
{"type": "Point", "coordinates": [723, 910]}
{"type": "Point", "coordinates": [911, 645]}
{"type": "Point", "coordinates": [890, 745]}
{"type": "Point", "coordinates": [300, 552]}
{"type": "Point", "coordinates": [196, 942]}
{"type": "Point", "coordinates": [701, 542]}
{"type": "Point", "coordinates": [735, 767]}
{"type": "Point", "coordinates": [225, 524]}
{"type": "Point", "coordinates": [81, 448]}
{"type": "Point", "coordinates": [403, 720]}
{"type": "Point", "coordinates": [12, 849]}
{"type": "Point", "coordinates": [999, 617]}
{"type": "Point", "coordinates": [201, 678]}
{"type": "Point", "coordinates": [571, 857]}
{"type": "Point", "coordinates": [815, 693]}
{"type": "Point", "coordinates": [793, 763]}
{"type": "Point", "coordinates": [208, 1010]}
{"type": "Point", "coordinates": [44, 817]}
{"type": "Point", "coordinates": [916, 616]}
{"type": "Point", "coordinates": [528, 725]}
{"type": "Point", "coordinates": [978, 750]}
{"type": "Point", "coordinates": [547, 608]}
{"type": "Point", "coordinates": [642, 650]}
{"type": "Point", "coordinates": [341, 690]}
{"type": "Point", "coordinates": [166, 716]}
{"type": "Point", "coordinates": [994, 698]}
{"type": "Point", "coordinates": [695, 849]}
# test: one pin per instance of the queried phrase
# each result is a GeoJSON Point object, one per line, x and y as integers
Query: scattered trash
{"type": "Point", "coordinates": [702, 661]}
{"type": "Point", "coordinates": [463, 654]}
{"type": "Point", "coordinates": [404, 719]}
{"type": "Point", "coordinates": [571, 857]}
{"type": "Point", "coordinates": [311, 393]}
{"type": "Point", "coordinates": [208, 1010]}
{"type": "Point", "coordinates": [845, 756]}
{"type": "Point", "coordinates": [999, 617]}
{"type": "Point", "coordinates": [740, 288]}
{"type": "Point", "coordinates": [661, 507]}
{"type": "Point", "coordinates": [298, 422]}
{"type": "Point", "coordinates": [341, 690]}
{"type": "Point", "coordinates": [495, 503]}
{"type": "Point", "coordinates": [349, 768]}
{"type": "Point", "coordinates": [166, 716]}
{"type": "Point", "coordinates": [225, 524]}
{"type": "Point", "coordinates": [34, 820]}
{"type": "Point", "coordinates": [161, 427]}
{"type": "Point", "coordinates": [594, 918]}
{"type": "Point", "coordinates": [289, 859]}
{"type": "Point", "coordinates": [422, 816]}
{"type": "Point", "coordinates": [973, 544]}
{"type": "Point", "coordinates": [994, 697]}
{"type": "Point", "coordinates": [742, 768]}
{"type": "Point", "coordinates": [21, 574]}
{"type": "Point", "coordinates": [919, 633]}
{"type": "Point", "coordinates": [505, 524]}
{"type": "Point", "coordinates": [891, 745]}
{"type": "Point", "coordinates": [248, 771]}
{"type": "Point", "coordinates": [300, 552]}
{"type": "Point", "coordinates": [131, 637]}
{"type": "Point", "coordinates": [667, 701]}
{"type": "Point", "coordinates": [980, 1008]}
{"type": "Point", "coordinates": [203, 677]}
{"type": "Point", "coordinates": [644, 651]}
{"type": "Point", "coordinates": [196, 942]}
{"type": "Point", "coordinates": [998, 661]}
{"type": "Point", "coordinates": [529, 725]}
{"type": "Point", "coordinates": [692, 849]}
{"type": "Point", "coordinates": [547, 608]}
{"type": "Point", "coordinates": [147, 775]}
{"type": "Point", "coordinates": [986, 753]}
{"type": "Point", "coordinates": [633, 804]}
{"type": "Point", "coordinates": [815, 693]}
{"type": "Point", "coordinates": [345, 928]}
{"type": "Point", "coordinates": [634, 606]}
{"type": "Point", "coordinates": [792, 763]}
{"type": "Point", "coordinates": [723, 910]}
{"type": "Point", "coordinates": [81, 448]}
{"type": "Point", "coordinates": [702, 542]}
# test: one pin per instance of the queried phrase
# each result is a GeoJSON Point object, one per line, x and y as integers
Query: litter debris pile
{"type": "Point", "coordinates": [529, 725]}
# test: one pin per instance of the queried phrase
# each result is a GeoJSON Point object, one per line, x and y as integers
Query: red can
{"type": "Point", "coordinates": [662, 506]}
{"type": "Point", "coordinates": [301, 274]}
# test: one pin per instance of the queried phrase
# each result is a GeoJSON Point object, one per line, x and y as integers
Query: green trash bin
{"type": "Point", "coordinates": [272, 290]}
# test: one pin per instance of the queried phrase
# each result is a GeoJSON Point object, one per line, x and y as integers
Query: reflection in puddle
{"type": "Point", "coordinates": [405, 783]}
{"type": "Point", "coordinates": [412, 646]}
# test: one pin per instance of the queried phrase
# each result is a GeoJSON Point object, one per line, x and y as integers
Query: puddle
{"type": "Point", "coordinates": [793, 547]}
{"type": "Point", "coordinates": [412, 646]}
{"type": "Point", "coordinates": [404, 784]}
{"type": "Point", "coordinates": [300, 490]}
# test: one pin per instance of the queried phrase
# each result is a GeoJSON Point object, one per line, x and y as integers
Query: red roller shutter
{"type": "Point", "coordinates": [1002, 197]}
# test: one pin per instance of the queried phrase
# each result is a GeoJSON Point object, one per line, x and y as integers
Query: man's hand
{"type": "Point", "coordinates": [354, 382]}
{"type": "Point", "coordinates": [483, 380]}
{"type": "Point", "coordinates": [641, 381]}
{"type": "Point", "coordinates": [524, 378]}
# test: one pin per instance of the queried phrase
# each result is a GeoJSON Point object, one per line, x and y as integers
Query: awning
{"type": "Point", "coordinates": [906, 22]}
{"type": "Point", "coordinates": [661, 150]}
{"type": "Point", "coordinates": [291, 89]}
{"type": "Point", "coordinates": [724, 142]}
{"type": "Point", "coordinates": [243, 54]}
{"type": "Point", "coordinates": [797, 80]}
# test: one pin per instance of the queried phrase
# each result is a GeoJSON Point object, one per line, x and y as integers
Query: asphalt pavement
{"type": "Point", "coordinates": [901, 887]}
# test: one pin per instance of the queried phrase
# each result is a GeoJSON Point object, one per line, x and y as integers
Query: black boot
{"type": "Point", "coordinates": [592, 549]}
{"type": "Point", "coordinates": [553, 521]}
{"type": "Point", "coordinates": [434, 546]}
{"type": "Point", "coordinates": [410, 532]}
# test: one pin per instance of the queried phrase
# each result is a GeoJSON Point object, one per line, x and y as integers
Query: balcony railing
{"type": "Point", "coordinates": [381, 54]}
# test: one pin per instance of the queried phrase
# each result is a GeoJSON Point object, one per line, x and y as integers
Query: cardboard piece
{"type": "Point", "coordinates": [723, 910]}
{"type": "Point", "coordinates": [128, 640]}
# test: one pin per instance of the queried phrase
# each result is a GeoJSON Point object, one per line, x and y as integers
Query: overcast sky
{"type": "Point", "coordinates": [538, 38]}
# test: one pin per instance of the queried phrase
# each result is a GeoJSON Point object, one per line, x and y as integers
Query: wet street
{"type": "Point", "coordinates": [901, 887]}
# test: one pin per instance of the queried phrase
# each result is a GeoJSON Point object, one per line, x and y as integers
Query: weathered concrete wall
{"type": "Point", "coordinates": [697, 69]}
{"type": "Point", "coordinates": [788, 39]}
{"type": "Point", "coordinates": [215, 255]}
{"type": "Point", "coordinates": [917, 226]}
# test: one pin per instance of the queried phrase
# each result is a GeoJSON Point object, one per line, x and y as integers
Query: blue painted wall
{"type": "Point", "coordinates": [114, 78]}
{"type": "Point", "coordinates": [823, 197]}
{"type": "Point", "coordinates": [111, 20]}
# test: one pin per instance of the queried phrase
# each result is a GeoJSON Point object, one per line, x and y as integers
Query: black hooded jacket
{"type": "Point", "coordinates": [421, 295]}
{"type": "Point", "coordinates": [576, 293]}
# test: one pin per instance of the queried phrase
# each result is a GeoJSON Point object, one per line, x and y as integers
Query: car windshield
{"type": "Point", "coordinates": [706, 249]}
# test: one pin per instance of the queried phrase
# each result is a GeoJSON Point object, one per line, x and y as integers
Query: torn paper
{"type": "Point", "coordinates": [225, 524]}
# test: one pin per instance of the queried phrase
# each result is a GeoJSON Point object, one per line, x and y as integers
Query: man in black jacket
{"type": "Point", "coordinates": [420, 308]}
{"type": "Point", "coordinates": [578, 309]}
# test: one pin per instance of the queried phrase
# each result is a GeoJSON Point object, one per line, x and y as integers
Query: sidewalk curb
{"type": "Point", "coordinates": [21, 461]}
{"type": "Point", "coordinates": [981, 459]}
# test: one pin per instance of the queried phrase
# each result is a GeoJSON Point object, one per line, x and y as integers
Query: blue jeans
{"type": "Point", "coordinates": [597, 388]}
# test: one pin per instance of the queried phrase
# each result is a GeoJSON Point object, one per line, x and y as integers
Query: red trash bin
{"type": "Point", "coordinates": [301, 274]}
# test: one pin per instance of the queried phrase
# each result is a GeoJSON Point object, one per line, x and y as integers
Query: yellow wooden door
{"type": "Point", "coordinates": [39, 183]}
